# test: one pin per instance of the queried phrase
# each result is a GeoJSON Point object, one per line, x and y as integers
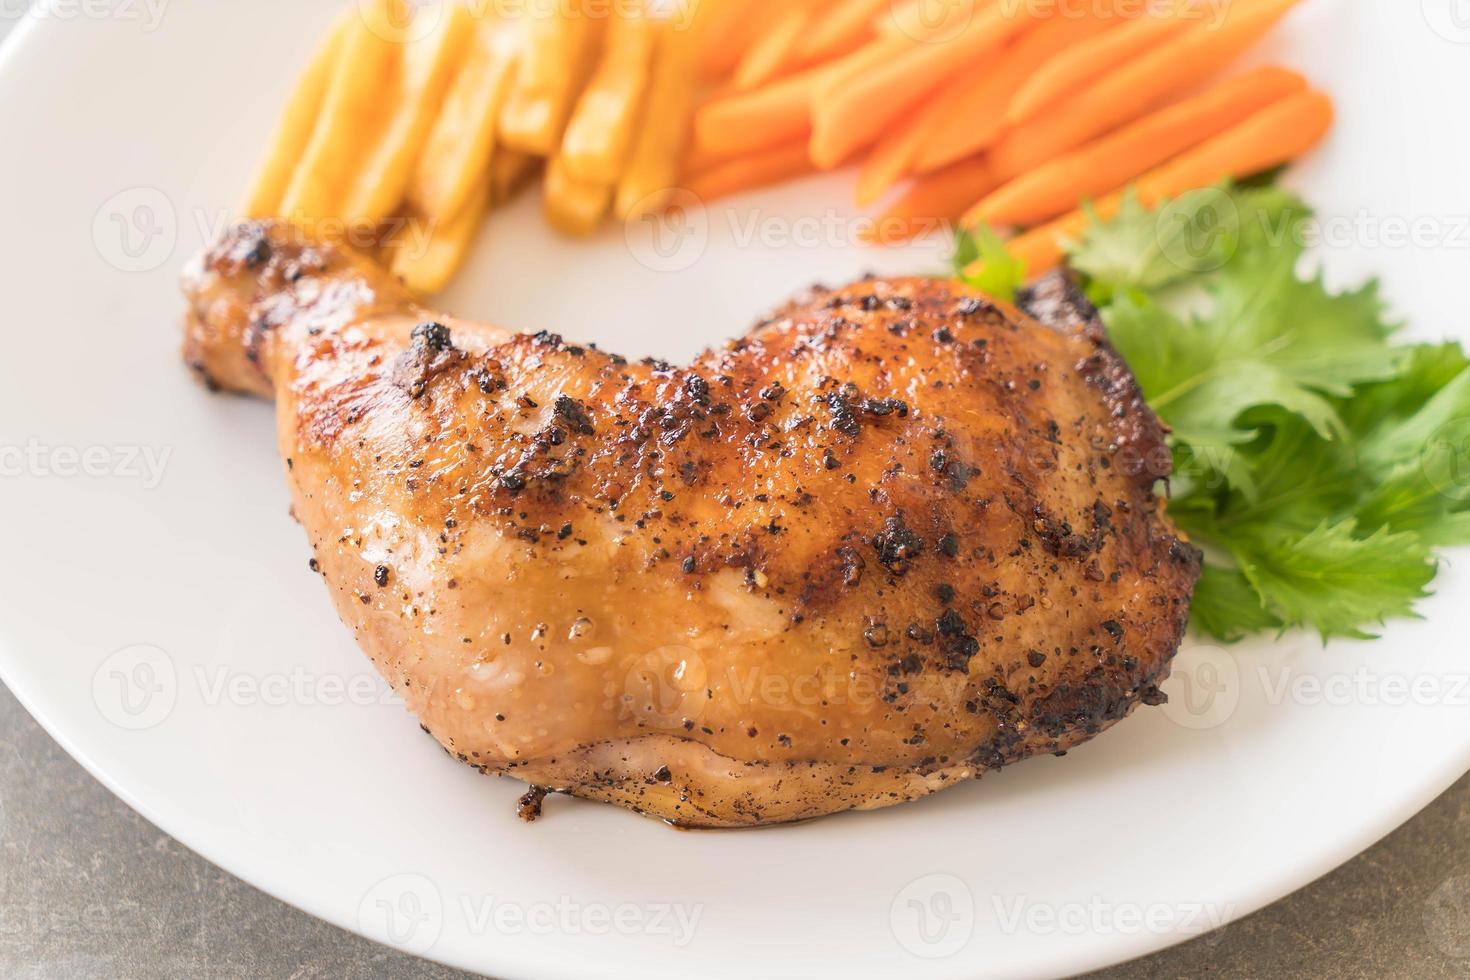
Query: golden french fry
{"type": "Point", "coordinates": [344, 131]}
{"type": "Point", "coordinates": [427, 267]}
{"type": "Point", "coordinates": [510, 170]}
{"type": "Point", "coordinates": [426, 67]}
{"type": "Point", "coordinates": [294, 130]}
{"type": "Point", "coordinates": [595, 147]}
{"type": "Point", "coordinates": [559, 54]}
{"type": "Point", "coordinates": [653, 164]}
{"type": "Point", "coordinates": [461, 145]}
{"type": "Point", "coordinates": [573, 206]}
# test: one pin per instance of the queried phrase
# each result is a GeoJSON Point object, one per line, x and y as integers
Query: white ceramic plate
{"type": "Point", "coordinates": [158, 616]}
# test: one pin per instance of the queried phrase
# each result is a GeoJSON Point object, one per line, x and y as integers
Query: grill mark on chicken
{"type": "Point", "coordinates": [894, 537]}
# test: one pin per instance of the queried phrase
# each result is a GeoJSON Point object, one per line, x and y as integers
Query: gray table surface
{"type": "Point", "coordinates": [90, 889]}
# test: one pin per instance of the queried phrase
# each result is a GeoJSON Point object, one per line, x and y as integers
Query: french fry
{"type": "Point", "coordinates": [427, 67]}
{"type": "Point", "coordinates": [426, 269]}
{"type": "Point", "coordinates": [575, 207]}
{"type": "Point", "coordinates": [349, 116]}
{"type": "Point", "coordinates": [288, 143]}
{"type": "Point", "coordinates": [510, 170]}
{"type": "Point", "coordinates": [595, 147]}
{"type": "Point", "coordinates": [461, 144]}
{"type": "Point", "coordinates": [654, 163]}
{"type": "Point", "coordinates": [559, 54]}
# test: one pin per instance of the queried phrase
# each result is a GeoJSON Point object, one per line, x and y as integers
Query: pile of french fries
{"type": "Point", "coordinates": [426, 116]}
{"type": "Point", "coordinates": [1008, 112]}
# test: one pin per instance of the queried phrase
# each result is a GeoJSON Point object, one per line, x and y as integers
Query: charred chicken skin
{"type": "Point", "coordinates": [894, 537]}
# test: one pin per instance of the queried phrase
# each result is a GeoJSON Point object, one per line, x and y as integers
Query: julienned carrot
{"type": "Point", "coordinates": [1270, 138]}
{"type": "Point", "coordinates": [932, 201]}
{"type": "Point", "coordinates": [1135, 88]}
{"type": "Point", "coordinates": [839, 30]}
{"type": "Point", "coordinates": [774, 51]}
{"type": "Point", "coordinates": [746, 173]}
{"type": "Point", "coordinates": [1076, 66]}
{"type": "Point", "coordinates": [892, 157]}
{"type": "Point", "coordinates": [1056, 187]}
{"type": "Point", "coordinates": [974, 123]}
{"type": "Point", "coordinates": [748, 122]}
{"type": "Point", "coordinates": [849, 116]}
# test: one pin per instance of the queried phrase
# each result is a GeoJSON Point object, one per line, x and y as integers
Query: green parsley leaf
{"type": "Point", "coordinates": [1333, 580]}
{"type": "Point", "coordinates": [1317, 463]}
{"type": "Point", "coordinates": [1196, 233]}
{"type": "Point", "coordinates": [1227, 607]}
{"type": "Point", "coordinates": [1000, 275]}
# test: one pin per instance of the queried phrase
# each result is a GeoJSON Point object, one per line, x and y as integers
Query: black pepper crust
{"type": "Point", "coordinates": [945, 503]}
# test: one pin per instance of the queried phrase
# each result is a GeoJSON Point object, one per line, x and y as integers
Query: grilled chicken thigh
{"type": "Point", "coordinates": [894, 537]}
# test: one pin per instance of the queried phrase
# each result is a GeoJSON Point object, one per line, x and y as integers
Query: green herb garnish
{"type": "Point", "coordinates": [1318, 462]}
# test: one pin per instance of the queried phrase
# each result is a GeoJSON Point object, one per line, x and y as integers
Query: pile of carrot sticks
{"type": "Point", "coordinates": [1011, 113]}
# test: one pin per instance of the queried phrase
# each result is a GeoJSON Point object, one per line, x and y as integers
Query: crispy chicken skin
{"type": "Point", "coordinates": [894, 537]}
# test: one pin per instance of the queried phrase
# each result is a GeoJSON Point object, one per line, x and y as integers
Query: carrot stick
{"type": "Point", "coordinates": [1133, 151]}
{"type": "Point", "coordinates": [733, 28]}
{"type": "Point", "coordinates": [1076, 66]}
{"type": "Point", "coordinates": [747, 173]}
{"type": "Point", "coordinates": [974, 123]}
{"type": "Point", "coordinates": [1270, 138]}
{"type": "Point", "coordinates": [839, 30]}
{"type": "Point", "coordinates": [748, 122]}
{"type": "Point", "coordinates": [774, 51]}
{"type": "Point", "coordinates": [1137, 87]}
{"type": "Point", "coordinates": [847, 117]}
{"type": "Point", "coordinates": [892, 157]}
{"type": "Point", "coordinates": [932, 200]}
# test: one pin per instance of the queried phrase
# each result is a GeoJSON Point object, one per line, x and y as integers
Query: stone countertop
{"type": "Point", "coordinates": [90, 889]}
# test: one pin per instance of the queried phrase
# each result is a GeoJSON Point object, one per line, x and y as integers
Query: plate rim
{"type": "Point", "coordinates": [552, 961]}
